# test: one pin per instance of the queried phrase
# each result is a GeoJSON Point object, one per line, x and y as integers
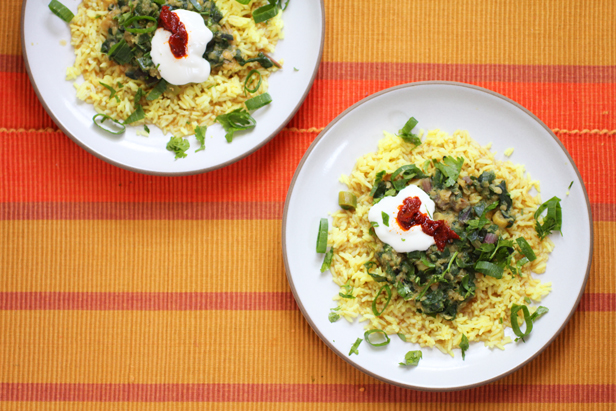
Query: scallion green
{"type": "Point", "coordinates": [464, 346]}
{"type": "Point", "coordinates": [137, 115]}
{"type": "Point", "coordinates": [322, 236]}
{"type": "Point", "coordinates": [387, 289]}
{"type": "Point", "coordinates": [327, 260]}
{"type": "Point", "coordinates": [61, 11]}
{"type": "Point", "coordinates": [488, 268]}
{"type": "Point", "coordinates": [105, 117]}
{"type": "Point", "coordinates": [354, 348]}
{"type": "Point", "coordinates": [514, 321]}
{"type": "Point", "coordinates": [370, 332]}
{"type": "Point", "coordinates": [258, 101]}
{"type": "Point", "coordinates": [249, 80]}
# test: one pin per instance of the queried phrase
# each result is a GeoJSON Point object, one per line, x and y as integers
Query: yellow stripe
{"type": "Point", "coordinates": [471, 32]}
{"type": "Point", "coordinates": [177, 256]}
{"type": "Point", "coordinates": [239, 347]}
{"type": "Point", "coordinates": [146, 256]}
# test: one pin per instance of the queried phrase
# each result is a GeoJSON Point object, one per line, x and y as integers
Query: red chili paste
{"type": "Point", "coordinates": [178, 42]}
{"type": "Point", "coordinates": [409, 216]}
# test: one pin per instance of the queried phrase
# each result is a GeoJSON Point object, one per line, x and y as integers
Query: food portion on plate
{"type": "Point", "coordinates": [181, 65]}
{"type": "Point", "coordinates": [436, 241]}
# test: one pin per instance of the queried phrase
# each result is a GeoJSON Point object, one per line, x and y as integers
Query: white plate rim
{"type": "Point", "coordinates": [309, 319]}
{"type": "Point", "coordinates": [64, 128]}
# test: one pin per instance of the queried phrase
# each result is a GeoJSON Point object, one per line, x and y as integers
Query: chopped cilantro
{"type": "Point", "coordinates": [179, 146]}
{"type": "Point", "coordinates": [464, 346]}
{"type": "Point", "coordinates": [200, 135]}
{"type": "Point", "coordinates": [411, 358]}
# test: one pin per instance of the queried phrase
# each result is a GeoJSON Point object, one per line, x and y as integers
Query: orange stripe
{"type": "Point", "coordinates": [205, 347]}
{"type": "Point", "coordinates": [283, 406]}
{"type": "Point", "coordinates": [56, 169]}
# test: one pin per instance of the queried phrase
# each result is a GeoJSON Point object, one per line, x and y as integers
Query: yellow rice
{"type": "Point", "coordinates": [480, 318]}
{"type": "Point", "coordinates": [195, 104]}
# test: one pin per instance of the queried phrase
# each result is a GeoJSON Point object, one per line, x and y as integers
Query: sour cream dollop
{"type": "Point", "coordinates": [403, 241]}
{"type": "Point", "coordinates": [192, 68]}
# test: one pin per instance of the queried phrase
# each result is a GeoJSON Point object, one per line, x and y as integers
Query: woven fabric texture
{"type": "Point", "coordinates": [122, 291]}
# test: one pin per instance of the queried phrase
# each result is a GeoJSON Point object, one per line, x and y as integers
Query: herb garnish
{"type": "Point", "coordinates": [105, 117]}
{"type": "Point", "coordinates": [412, 358]}
{"type": "Point", "coordinates": [333, 315]}
{"type": "Point", "coordinates": [385, 218]}
{"type": "Point", "coordinates": [237, 120]}
{"type": "Point", "coordinates": [179, 146]}
{"type": "Point", "coordinates": [552, 221]}
{"type": "Point", "coordinates": [464, 346]}
{"type": "Point", "coordinates": [348, 289]}
{"type": "Point", "coordinates": [450, 167]}
{"type": "Point", "coordinates": [200, 136]}
{"type": "Point", "coordinates": [137, 115]}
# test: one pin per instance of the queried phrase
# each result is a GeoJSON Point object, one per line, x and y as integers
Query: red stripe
{"type": "Point", "coordinates": [603, 212]}
{"type": "Point", "coordinates": [177, 211]}
{"type": "Point", "coordinates": [142, 211]}
{"type": "Point", "coordinates": [10, 63]}
{"type": "Point", "coordinates": [146, 301]}
{"type": "Point", "coordinates": [597, 302]}
{"type": "Point", "coordinates": [195, 301]}
{"type": "Point", "coordinates": [303, 393]}
{"type": "Point", "coordinates": [508, 73]}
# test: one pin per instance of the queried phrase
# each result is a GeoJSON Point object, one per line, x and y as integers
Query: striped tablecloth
{"type": "Point", "coordinates": [121, 291]}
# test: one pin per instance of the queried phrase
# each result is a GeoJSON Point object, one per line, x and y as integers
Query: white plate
{"type": "Point", "coordinates": [43, 36]}
{"type": "Point", "coordinates": [489, 117]}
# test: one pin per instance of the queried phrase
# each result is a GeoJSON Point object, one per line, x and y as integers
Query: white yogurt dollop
{"type": "Point", "coordinates": [192, 68]}
{"type": "Point", "coordinates": [402, 241]}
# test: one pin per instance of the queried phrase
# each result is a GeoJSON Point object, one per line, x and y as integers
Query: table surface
{"type": "Point", "coordinates": [125, 291]}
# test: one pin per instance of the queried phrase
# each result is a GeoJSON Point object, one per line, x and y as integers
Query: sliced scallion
{"type": "Point", "coordinates": [265, 13]}
{"type": "Point", "coordinates": [538, 313]}
{"type": "Point", "coordinates": [347, 200]}
{"type": "Point", "coordinates": [108, 87]}
{"type": "Point", "coordinates": [327, 260]}
{"type": "Point", "coordinates": [387, 289]}
{"type": "Point", "coordinates": [514, 321]}
{"type": "Point", "coordinates": [61, 11]}
{"type": "Point", "coordinates": [104, 118]}
{"type": "Point", "coordinates": [249, 80]}
{"type": "Point", "coordinates": [354, 348]}
{"type": "Point", "coordinates": [237, 120]}
{"type": "Point", "coordinates": [369, 332]}
{"type": "Point", "coordinates": [322, 236]}
{"type": "Point", "coordinates": [138, 30]}
{"type": "Point", "coordinates": [258, 101]}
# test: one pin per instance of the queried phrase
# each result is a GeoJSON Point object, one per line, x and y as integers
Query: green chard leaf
{"type": "Point", "coordinates": [450, 167]}
{"type": "Point", "coordinates": [552, 221]}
